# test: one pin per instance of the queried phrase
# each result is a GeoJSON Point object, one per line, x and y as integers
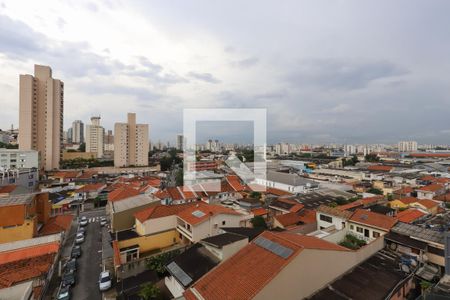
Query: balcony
{"type": "Point", "coordinates": [184, 231]}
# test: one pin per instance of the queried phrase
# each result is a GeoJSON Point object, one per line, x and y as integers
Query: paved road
{"type": "Point", "coordinates": [89, 264]}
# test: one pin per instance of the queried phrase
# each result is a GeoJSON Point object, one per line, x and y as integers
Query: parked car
{"type": "Point", "coordinates": [104, 282]}
{"type": "Point", "coordinates": [76, 252]}
{"type": "Point", "coordinates": [81, 230]}
{"type": "Point", "coordinates": [71, 265]}
{"type": "Point", "coordinates": [103, 221]}
{"type": "Point", "coordinates": [63, 293]}
{"type": "Point", "coordinates": [68, 278]}
{"type": "Point", "coordinates": [79, 238]}
{"type": "Point", "coordinates": [83, 221]}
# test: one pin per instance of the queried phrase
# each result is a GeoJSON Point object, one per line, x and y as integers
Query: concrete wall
{"type": "Point", "coordinates": [125, 219]}
{"type": "Point", "coordinates": [156, 225]}
{"type": "Point", "coordinates": [152, 242]}
{"type": "Point", "coordinates": [26, 230]}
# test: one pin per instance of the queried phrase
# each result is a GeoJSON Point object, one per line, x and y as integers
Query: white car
{"type": "Point", "coordinates": [103, 221]}
{"type": "Point", "coordinates": [83, 221]}
{"type": "Point", "coordinates": [79, 238]}
{"type": "Point", "coordinates": [104, 282]}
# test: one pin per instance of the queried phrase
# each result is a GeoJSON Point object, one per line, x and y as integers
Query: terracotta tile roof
{"type": "Point", "coordinates": [235, 182]}
{"type": "Point", "coordinates": [371, 200]}
{"type": "Point", "coordinates": [248, 271]}
{"type": "Point", "coordinates": [66, 174]}
{"type": "Point", "coordinates": [28, 252]}
{"type": "Point", "coordinates": [122, 193]}
{"type": "Point", "coordinates": [92, 187]}
{"type": "Point", "coordinates": [162, 194]}
{"type": "Point", "coordinates": [334, 211]}
{"type": "Point", "coordinates": [307, 216]}
{"type": "Point", "coordinates": [25, 269]}
{"type": "Point", "coordinates": [7, 189]}
{"type": "Point", "coordinates": [427, 203]}
{"type": "Point", "coordinates": [361, 202]}
{"type": "Point", "coordinates": [410, 215]}
{"type": "Point", "coordinates": [350, 205]}
{"type": "Point", "coordinates": [260, 211]}
{"type": "Point", "coordinates": [161, 211]}
{"type": "Point", "coordinates": [57, 224]}
{"type": "Point", "coordinates": [88, 174]}
{"type": "Point", "coordinates": [380, 168]}
{"type": "Point", "coordinates": [404, 190]}
{"type": "Point", "coordinates": [407, 200]}
{"type": "Point", "coordinates": [444, 198]}
{"type": "Point", "coordinates": [288, 219]}
{"type": "Point", "coordinates": [297, 207]}
{"type": "Point", "coordinates": [207, 209]}
{"type": "Point", "coordinates": [431, 188]}
{"type": "Point", "coordinates": [372, 219]}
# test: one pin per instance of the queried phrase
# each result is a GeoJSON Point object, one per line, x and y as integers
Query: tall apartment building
{"type": "Point", "coordinates": [41, 115]}
{"type": "Point", "coordinates": [131, 143]}
{"type": "Point", "coordinates": [407, 146]}
{"type": "Point", "coordinates": [77, 132]}
{"type": "Point", "coordinates": [95, 137]}
{"type": "Point", "coordinates": [180, 142]}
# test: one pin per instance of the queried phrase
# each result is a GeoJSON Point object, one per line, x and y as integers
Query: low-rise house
{"type": "Point", "coordinates": [430, 206]}
{"type": "Point", "coordinates": [402, 192]}
{"type": "Point", "coordinates": [20, 216]}
{"type": "Point", "coordinates": [281, 206]}
{"type": "Point", "coordinates": [276, 266]}
{"type": "Point", "coordinates": [367, 225]}
{"type": "Point", "coordinates": [426, 244]}
{"type": "Point", "coordinates": [430, 191]}
{"type": "Point", "coordinates": [331, 216]}
{"type": "Point", "coordinates": [57, 224]}
{"type": "Point", "coordinates": [303, 221]}
{"type": "Point", "coordinates": [191, 265]}
{"type": "Point", "coordinates": [402, 202]}
{"type": "Point", "coordinates": [204, 220]}
{"type": "Point", "coordinates": [65, 176]}
{"type": "Point", "coordinates": [32, 260]}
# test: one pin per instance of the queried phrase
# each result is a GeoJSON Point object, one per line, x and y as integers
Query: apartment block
{"type": "Point", "coordinates": [18, 159]}
{"type": "Point", "coordinates": [77, 132]}
{"type": "Point", "coordinates": [407, 146]}
{"type": "Point", "coordinates": [131, 143]}
{"type": "Point", "coordinates": [41, 115]}
{"type": "Point", "coordinates": [95, 137]}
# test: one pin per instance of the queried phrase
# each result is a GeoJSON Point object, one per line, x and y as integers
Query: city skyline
{"type": "Point", "coordinates": [342, 77]}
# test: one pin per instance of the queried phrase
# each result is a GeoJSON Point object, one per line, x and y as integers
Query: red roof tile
{"type": "Point", "coordinates": [93, 187]}
{"type": "Point", "coordinates": [404, 190]}
{"type": "Point", "coordinates": [277, 192]}
{"type": "Point", "coordinates": [247, 272]}
{"type": "Point", "coordinates": [431, 188]}
{"type": "Point", "coordinates": [29, 252]}
{"type": "Point", "coordinates": [57, 224]}
{"type": "Point", "coordinates": [380, 168]}
{"type": "Point", "coordinates": [161, 211]}
{"type": "Point", "coordinates": [410, 215]}
{"type": "Point", "coordinates": [369, 218]}
{"type": "Point", "coordinates": [235, 182]}
{"type": "Point", "coordinates": [122, 193]}
{"type": "Point", "coordinates": [207, 209]}
{"type": "Point", "coordinates": [7, 189]}
{"type": "Point", "coordinates": [427, 203]}
{"type": "Point", "coordinates": [260, 211]}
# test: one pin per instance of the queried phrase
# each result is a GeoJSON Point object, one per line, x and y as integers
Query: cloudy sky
{"type": "Point", "coordinates": [327, 71]}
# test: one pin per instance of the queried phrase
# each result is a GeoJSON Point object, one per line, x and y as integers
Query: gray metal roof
{"type": "Point", "coordinates": [16, 200]}
{"type": "Point", "coordinates": [133, 202]}
{"type": "Point", "coordinates": [419, 232]}
{"type": "Point", "coordinates": [289, 179]}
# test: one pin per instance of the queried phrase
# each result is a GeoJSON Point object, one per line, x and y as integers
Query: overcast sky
{"type": "Point", "coordinates": [327, 71]}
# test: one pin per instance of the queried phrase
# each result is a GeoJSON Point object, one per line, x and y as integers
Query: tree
{"type": "Point", "coordinates": [149, 291]}
{"type": "Point", "coordinates": [179, 177]}
{"type": "Point", "coordinates": [258, 222]}
{"type": "Point", "coordinates": [375, 191]}
{"type": "Point", "coordinates": [256, 195]}
{"type": "Point", "coordinates": [158, 263]}
{"type": "Point", "coordinates": [82, 147]}
{"type": "Point", "coordinates": [371, 157]}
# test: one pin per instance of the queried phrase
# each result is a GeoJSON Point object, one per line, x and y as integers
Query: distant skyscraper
{"type": "Point", "coordinates": [94, 137]}
{"type": "Point", "coordinates": [407, 146]}
{"type": "Point", "coordinates": [109, 141]}
{"type": "Point", "coordinates": [180, 142]}
{"type": "Point", "coordinates": [131, 144]}
{"type": "Point", "coordinates": [41, 115]}
{"type": "Point", "coordinates": [69, 135]}
{"type": "Point", "coordinates": [77, 132]}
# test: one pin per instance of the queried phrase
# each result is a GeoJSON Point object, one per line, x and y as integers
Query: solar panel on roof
{"type": "Point", "coordinates": [198, 213]}
{"type": "Point", "coordinates": [179, 273]}
{"type": "Point", "coordinates": [273, 247]}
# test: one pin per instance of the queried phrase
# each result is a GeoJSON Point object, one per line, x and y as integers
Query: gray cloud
{"type": "Point", "coordinates": [347, 75]}
{"type": "Point", "coordinates": [245, 63]}
{"type": "Point", "coordinates": [207, 77]}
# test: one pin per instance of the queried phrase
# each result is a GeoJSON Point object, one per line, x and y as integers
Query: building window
{"type": "Point", "coordinates": [223, 222]}
{"type": "Point", "coordinates": [375, 234]}
{"type": "Point", "coordinates": [359, 229]}
{"type": "Point", "coordinates": [326, 218]}
{"type": "Point", "coordinates": [352, 227]}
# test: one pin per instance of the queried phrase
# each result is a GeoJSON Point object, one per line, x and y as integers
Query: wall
{"type": "Point", "coordinates": [72, 155]}
{"type": "Point", "coordinates": [208, 228]}
{"type": "Point", "coordinates": [156, 225]}
{"type": "Point", "coordinates": [12, 215]}
{"type": "Point", "coordinates": [21, 232]}
{"type": "Point", "coordinates": [152, 242]}
{"type": "Point", "coordinates": [361, 235]}
{"type": "Point", "coordinates": [125, 219]}
{"type": "Point", "coordinates": [336, 222]}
